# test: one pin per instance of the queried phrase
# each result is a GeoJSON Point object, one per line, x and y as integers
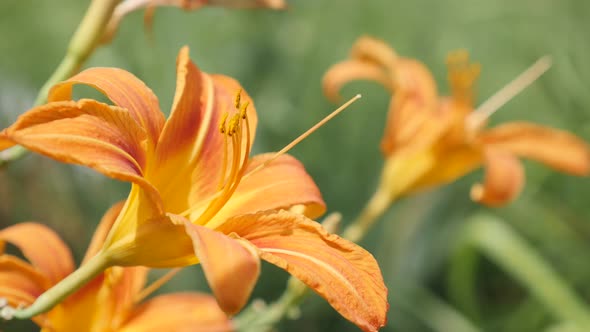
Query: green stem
{"type": "Point", "coordinates": [83, 43]}
{"type": "Point", "coordinates": [375, 208]}
{"type": "Point", "coordinates": [260, 319]}
{"type": "Point", "coordinates": [461, 280]}
{"type": "Point", "coordinates": [65, 287]}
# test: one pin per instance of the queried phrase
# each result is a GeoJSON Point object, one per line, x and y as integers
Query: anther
{"type": "Point", "coordinates": [238, 99]}
{"type": "Point", "coordinates": [222, 123]}
{"type": "Point", "coordinates": [234, 124]}
{"type": "Point", "coordinates": [462, 75]}
{"type": "Point", "coordinates": [244, 109]}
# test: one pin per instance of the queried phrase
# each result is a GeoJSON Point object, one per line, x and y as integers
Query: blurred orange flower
{"type": "Point", "coordinates": [431, 140]}
{"type": "Point", "coordinates": [196, 194]}
{"type": "Point", "coordinates": [110, 302]}
{"type": "Point", "coordinates": [128, 6]}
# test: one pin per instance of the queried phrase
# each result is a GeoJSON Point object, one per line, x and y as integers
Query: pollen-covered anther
{"type": "Point", "coordinates": [244, 110]}
{"type": "Point", "coordinates": [238, 99]}
{"type": "Point", "coordinates": [234, 124]}
{"type": "Point", "coordinates": [222, 123]}
{"type": "Point", "coordinates": [462, 75]}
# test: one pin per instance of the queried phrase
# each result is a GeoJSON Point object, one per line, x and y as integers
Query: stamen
{"type": "Point", "coordinates": [156, 284]}
{"type": "Point", "coordinates": [304, 135]}
{"type": "Point", "coordinates": [237, 169]}
{"type": "Point", "coordinates": [238, 99]}
{"type": "Point", "coordinates": [244, 109]}
{"type": "Point", "coordinates": [516, 86]}
{"type": "Point", "coordinates": [234, 124]}
{"type": "Point", "coordinates": [240, 164]}
{"type": "Point", "coordinates": [222, 123]}
{"type": "Point", "coordinates": [462, 76]}
{"type": "Point", "coordinates": [224, 164]}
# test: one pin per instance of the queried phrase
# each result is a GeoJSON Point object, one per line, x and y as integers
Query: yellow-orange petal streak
{"type": "Point", "coordinates": [123, 89]}
{"type": "Point", "coordinates": [190, 149]}
{"type": "Point", "coordinates": [231, 268]}
{"type": "Point", "coordinates": [344, 72]}
{"type": "Point", "coordinates": [346, 275]}
{"type": "Point", "coordinates": [193, 101]}
{"type": "Point", "coordinates": [280, 185]}
{"type": "Point", "coordinates": [179, 312]}
{"type": "Point", "coordinates": [158, 242]}
{"type": "Point", "coordinates": [555, 148]}
{"type": "Point", "coordinates": [42, 247]}
{"type": "Point", "coordinates": [504, 179]}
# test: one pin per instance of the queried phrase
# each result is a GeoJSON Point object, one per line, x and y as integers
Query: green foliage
{"type": "Point", "coordinates": [280, 58]}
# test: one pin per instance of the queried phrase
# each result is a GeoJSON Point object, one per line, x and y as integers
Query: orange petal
{"type": "Point", "coordinates": [504, 179]}
{"type": "Point", "coordinates": [191, 148]}
{"type": "Point", "coordinates": [5, 143]}
{"type": "Point", "coordinates": [280, 185]}
{"type": "Point", "coordinates": [103, 229]}
{"type": "Point", "coordinates": [231, 268]}
{"type": "Point", "coordinates": [344, 72]}
{"type": "Point", "coordinates": [374, 50]}
{"type": "Point", "coordinates": [116, 294]}
{"type": "Point", "coordinates": [85, 132]}
{"type": "Point", "coordinates": [556, 148]}
{"type": "Point", "coordinates": [123, 89]}
{"type": "Point", "coordinates": [22, 278]}
{"type": "Point", "coordinates": [42, 247]}
{"type": "Point", "coordinates": [271, 4]}
{"type": "Point", "coordinates": [371, 59]}
{"type": "Point", "coordinates": [191, 109]}
{"type": "Point", "coordinates": [346, 275]}
{"type": "Point", "coordinates": [88, 133]}
{"type": "Point", "coordinates": [127, 284]}
{"type": "Point", "coordinates": [414, 110]}
{"type": "Point", "coordinates": [178, 312]}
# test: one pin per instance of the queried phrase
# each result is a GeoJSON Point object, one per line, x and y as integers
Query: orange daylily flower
{"type": "Point", "coordinates": [110, 302]}
{"type": "Point", "coordinates": [196, 195]}
{"type": "Point", "coordinates": [431, 140]}
{"type": "Point", "coordinates": [128, 6]}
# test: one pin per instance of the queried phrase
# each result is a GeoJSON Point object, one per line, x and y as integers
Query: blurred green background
{"type": "Point", "coordinates": [450, 265]}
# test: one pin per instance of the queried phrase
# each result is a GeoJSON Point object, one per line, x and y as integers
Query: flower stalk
{"type": "Point", "coordinates": [64, 288]}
